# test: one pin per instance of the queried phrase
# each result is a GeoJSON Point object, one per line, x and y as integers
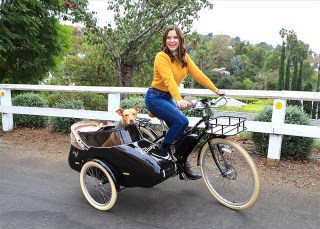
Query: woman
{"type": "Point", "coordinates": [163, 98]}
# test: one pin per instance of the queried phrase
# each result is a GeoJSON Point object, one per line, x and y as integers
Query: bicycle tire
{"type": "Point", "coordinates": [98, 186]}
{"type": "Point", "coordinates": [148, 134]}
{"type": "Point", "coordinates": [237, 186]}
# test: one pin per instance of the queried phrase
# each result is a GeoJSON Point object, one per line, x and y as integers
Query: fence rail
{"type": "Point", "coordinates": [276, 128]}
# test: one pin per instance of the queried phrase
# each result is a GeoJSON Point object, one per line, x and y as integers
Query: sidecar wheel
{"type": "Point", "coordinates": [98, 186]}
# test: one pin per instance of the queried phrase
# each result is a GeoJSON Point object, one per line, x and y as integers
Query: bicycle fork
{"type": "Point", "coordinates": [225, 169]}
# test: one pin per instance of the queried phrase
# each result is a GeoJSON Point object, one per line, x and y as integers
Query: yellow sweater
{"type": "Point", "coordinates": [168, 75]}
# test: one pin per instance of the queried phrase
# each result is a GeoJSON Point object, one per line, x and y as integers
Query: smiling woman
{"type": "Point", "coordinates": [163, 98]}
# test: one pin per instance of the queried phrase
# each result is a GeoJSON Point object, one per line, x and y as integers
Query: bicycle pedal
{"type": "Point", "coordinates": [183, 176]}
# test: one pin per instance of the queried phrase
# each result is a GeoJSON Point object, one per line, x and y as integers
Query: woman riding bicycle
{"type": "Point", "coordinates": [163, 99]}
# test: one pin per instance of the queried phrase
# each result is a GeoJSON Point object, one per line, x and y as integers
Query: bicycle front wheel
{"type": "Point", "coordinates": [229, 173]}
{"type": "Point", "coordinates": [98, 186]}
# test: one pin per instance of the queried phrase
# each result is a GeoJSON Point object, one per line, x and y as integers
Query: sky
{"type": "Point", "coordinates": [252, 20]}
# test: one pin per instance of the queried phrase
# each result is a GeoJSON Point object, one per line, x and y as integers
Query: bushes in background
{"type": "Point", "coordinates": [134, 101]}
{"type": "Point", "coordinates": [293, 147]}
{"type": "Point", "coordinates": [91, 101]}
{"type": "Point", "coordinates": [63, 124]}
{"type": "Point", "coordinates": [29, 100]}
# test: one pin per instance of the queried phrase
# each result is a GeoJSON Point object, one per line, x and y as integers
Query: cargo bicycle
{"type": "Point", "coordinates": [228, 171]}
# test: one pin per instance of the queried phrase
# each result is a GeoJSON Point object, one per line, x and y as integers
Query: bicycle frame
{"type": "Point", "coordinates": [204, 119]}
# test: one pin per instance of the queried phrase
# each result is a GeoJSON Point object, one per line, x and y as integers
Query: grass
{"type": "Point", "coordinates": [253, 106]}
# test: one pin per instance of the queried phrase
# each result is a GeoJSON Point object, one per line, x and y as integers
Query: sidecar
{"type": "Point", "coordinates": [130, 161]}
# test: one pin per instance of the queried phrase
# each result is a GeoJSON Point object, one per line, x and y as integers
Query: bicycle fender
{"type": "Point", "coordinates": [106, 167]}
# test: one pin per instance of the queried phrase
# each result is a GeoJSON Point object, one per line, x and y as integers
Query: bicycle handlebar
{"type": "Point", "coordinates": [206, 103]}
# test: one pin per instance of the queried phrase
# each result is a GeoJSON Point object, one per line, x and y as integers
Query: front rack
{"type": "Point", "coordinates": [227, 125]}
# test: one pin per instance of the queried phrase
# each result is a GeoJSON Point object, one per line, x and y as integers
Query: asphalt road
{"type": "Point", "coordinates": [44, 193]}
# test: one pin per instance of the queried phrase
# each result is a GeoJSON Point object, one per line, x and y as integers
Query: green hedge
{"type": "Point", "coordinates": [293, 147]}
{"type": "Point", "coordinates": [63, 124]}
{"type": "Point", "coordinates": [29, 100]}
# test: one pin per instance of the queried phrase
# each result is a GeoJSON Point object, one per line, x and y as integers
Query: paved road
{"type": "Point", "coordinates": [38, 193]}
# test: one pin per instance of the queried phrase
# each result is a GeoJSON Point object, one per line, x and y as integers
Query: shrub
{"type": "Point", "coordinates": [93, 101]}
{"type": "Point", "coordinates": [55, 98]}
{"type": "Point", "coordinates": [293, 147]}
{"type": "Point", "coordinates": [63, 124]}
{"type": "Point", "coordinates": [29, 100]}
{"type": "Point", "coordinates": [134, 101]}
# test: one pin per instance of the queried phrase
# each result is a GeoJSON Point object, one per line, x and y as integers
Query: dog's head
{"type": "Point", "coordinates": [128, 115]}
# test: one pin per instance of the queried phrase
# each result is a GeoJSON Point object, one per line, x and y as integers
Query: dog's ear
{"type": "Point", "coordinates": [119, 111]}
{"type": "Point", "coordinates": [137, 108]}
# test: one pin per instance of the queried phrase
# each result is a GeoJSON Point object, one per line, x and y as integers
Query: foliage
{"type": "Point", "coordinates": [56, 97]}
{"type": "Point", "coordinates": [135, 36]}
{"type": "Point", "coordinates": [63, 124]}
{"type": "Point", "coordinates": [29, 100]}
{"type": "Point", "coordinates": [256, 55]}
{"type": "Point", "coordinates": [134, 101]}
{"type": "Point", "coordinates": [292, 147]}
{"type": "Point", "coordinates": [32, 41]}
{"type": "Point", "coordinates": [265, 80]}
{"type": "Point", "coordinates": [91, 101]}
{"type": "Point", "coordinates": [281, 68]}
{"type": "Point", "coordinates": [219, 52]}
{"type": "Point", "coordinates": [272, 61]}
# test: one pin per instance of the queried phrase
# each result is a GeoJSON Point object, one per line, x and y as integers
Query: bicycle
{"type": "Point", "coordinates": [227, 168]}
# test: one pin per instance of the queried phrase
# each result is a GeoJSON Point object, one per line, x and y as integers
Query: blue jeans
{"type": "Point", "coordinates": [162, 105]}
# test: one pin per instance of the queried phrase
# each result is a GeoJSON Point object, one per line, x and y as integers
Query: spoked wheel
{"type": "Point", "coordinates": [236, 184]}
{"type": "Point", "coordinates": [98, 186]}
{"type": "Point", "coordinates": [148, 134]}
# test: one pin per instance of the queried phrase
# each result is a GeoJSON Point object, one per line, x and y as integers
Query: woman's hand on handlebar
{"type": "Point", "coordinates": [221, 92]}
{"type": "Point", "coordinates": [183, 104]}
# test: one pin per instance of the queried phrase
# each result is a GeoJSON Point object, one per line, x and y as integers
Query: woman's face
{"type": "Point", "coordinates": [172, 41]}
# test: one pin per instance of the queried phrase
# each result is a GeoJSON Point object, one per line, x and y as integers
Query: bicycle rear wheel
{"type": "Point", "coordinates": [148, 133]}
{"type": "Point", "coordinates": [236, 184]}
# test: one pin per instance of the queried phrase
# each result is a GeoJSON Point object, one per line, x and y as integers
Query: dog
{"type": "Point", "coordinates": [128, 117]}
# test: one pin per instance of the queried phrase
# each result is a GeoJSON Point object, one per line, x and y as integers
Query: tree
{"type": "Point", "coordinates": [302, 54]}
{"type": "Point", "coordinates": [193, 40]}
{"type": "Point", "coordinates": [32, 41]}
{"type": "Point", "coordinates": [272, 61]}
{"type": "Point", "coordinates": [287, 76]}
{"type": "Point", "coordinates": [281, 78]}
{"type": "Point", "coordinates": [220, 51]}
{"type": "Point", "coordinates": [256, 54]}
{"type": "Point", "coordinates": [291, 42]}
{"type": "Point", "coordinates": [86, 64]}
{"type": "Point", "coordinates": [134, 38]}
{"type": "Point", "coordinates": [240, 47]}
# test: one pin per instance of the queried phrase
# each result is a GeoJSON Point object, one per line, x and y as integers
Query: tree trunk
{"type": "Point", "coordinates": [125, 76]}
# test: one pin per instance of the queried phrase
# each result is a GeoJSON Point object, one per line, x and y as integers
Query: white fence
{"type": "Point", "coordinates": [277, 128]}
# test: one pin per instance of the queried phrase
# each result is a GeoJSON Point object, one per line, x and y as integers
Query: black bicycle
{"type": "Point", "coordinates": [226, 168]}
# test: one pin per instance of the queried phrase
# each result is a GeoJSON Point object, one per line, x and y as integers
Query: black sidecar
{"type": "Point", "coordinates": [132, 161]}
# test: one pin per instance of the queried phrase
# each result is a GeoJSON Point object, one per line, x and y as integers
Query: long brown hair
{"type": "Point", "coordinates": [181, 49]}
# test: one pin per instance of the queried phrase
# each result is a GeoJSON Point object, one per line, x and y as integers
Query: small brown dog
{"type": "Point", "coordinates": [128, 117]}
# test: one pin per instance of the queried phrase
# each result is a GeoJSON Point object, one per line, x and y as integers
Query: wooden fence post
{"type": "Point", "coordinates": [113, 102]}
{"type": "Point", "coordinates": [275, 140]}
{"type": "Point", "coordinates": [7, 118]}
